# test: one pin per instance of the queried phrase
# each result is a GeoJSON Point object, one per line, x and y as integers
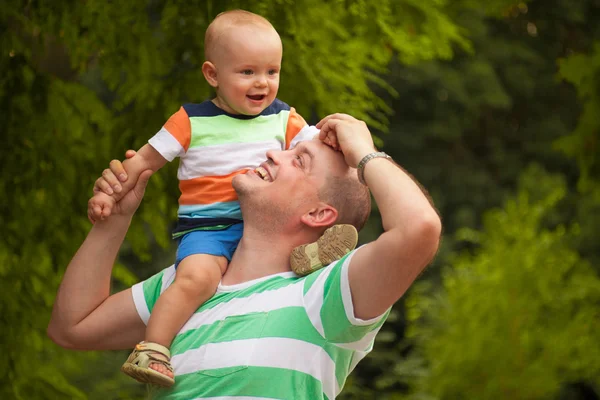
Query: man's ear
{"type": "Point", "coordinates": [210, 73]}
{"type": "Point", "coordinates": [322, 215]}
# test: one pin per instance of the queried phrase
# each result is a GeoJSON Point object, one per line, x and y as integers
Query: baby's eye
{"type": "Point", "coordinates": [247, 72]}
{"type": "Point", "coordinates": [272, 72]}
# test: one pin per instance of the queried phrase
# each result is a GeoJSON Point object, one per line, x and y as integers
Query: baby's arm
{"type": "Point", "coordinates": [122, 179]}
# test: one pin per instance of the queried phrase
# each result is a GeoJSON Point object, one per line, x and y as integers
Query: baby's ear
{"type": "Point", "coordinates": [323, 215]}
{"type": "Point", "coordinates": [210, 73]}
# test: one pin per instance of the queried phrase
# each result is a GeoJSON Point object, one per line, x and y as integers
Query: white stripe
{"type": "Point", "coordinates": [223, 159]}
{"type": "Point", "coordinates": [167, 278]}
{"type": "Point", "coordinates": [347, 296]}
{"type": "Point", "coordinates": [166, 145]}
{"type": "Point", "coordinates": [137, 291]}
{"type": "Point", "coordinates": [313, 300]}
{"type": "Point", "coordinates": [308, 132]}
{"type": "Point", "coordinates": [269, 300]}
{"type": "Point", "coordinates": [283, 353]}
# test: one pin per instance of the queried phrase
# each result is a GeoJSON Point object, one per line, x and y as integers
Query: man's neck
{"type": "Point", "coordinates": [257, 256]}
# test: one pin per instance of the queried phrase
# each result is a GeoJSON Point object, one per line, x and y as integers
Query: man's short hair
{"type": "Point", "coordinates": [350, 198]}
{"type": "Point", "coordinates": [225, 20]}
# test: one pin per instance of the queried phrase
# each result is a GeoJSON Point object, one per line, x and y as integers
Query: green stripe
{"type": "Point", "coordinates": [276, 282]}
{"type": "Point", "coordinates": [219, 130]}
{"type": "Point", "coordinates": [310, 279]}
{"type": "Point", "coordinates": [275, 383]}
{"type": "Point", "coordinates": [151, 288]}
{"type": "Point", "coordinates": [336, 326]}
{"type": "Point", "coordinates": [288, 323]}
{"type": "Point", "coordinates": [275, 323]}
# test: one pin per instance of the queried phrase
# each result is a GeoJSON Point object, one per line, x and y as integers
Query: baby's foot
{"type": "Point", "coordinates": [335, 243]}
{"type": "Point", "coordinates": [160, 367]}
{"type": "Point", "coordinates": [150, 363]}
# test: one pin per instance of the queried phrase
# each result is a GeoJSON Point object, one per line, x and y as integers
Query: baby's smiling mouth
{"type": "Point", "coordinates": [257, 97]}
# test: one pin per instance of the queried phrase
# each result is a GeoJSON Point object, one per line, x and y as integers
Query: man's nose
{"type": "Point", "coordinates": [274, 156]}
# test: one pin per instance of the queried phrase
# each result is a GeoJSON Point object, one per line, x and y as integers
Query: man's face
{"type": "Point", "coordinates": [248, 65]}
{"type": "Point", "coordinates": [287, 185]}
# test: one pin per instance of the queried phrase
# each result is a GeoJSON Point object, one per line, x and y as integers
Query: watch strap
{"type": "Point", "coordinates": [361, 165]}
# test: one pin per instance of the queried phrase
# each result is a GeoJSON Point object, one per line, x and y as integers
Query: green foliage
{"type": "Point", "coordinates": [583, 71]}
{"type": "Point", "coordinates": [475, 96]}
{"type": "Point", "coordinates": [518, 318]}
{"type": "Point", "coordinates": [83, 81]}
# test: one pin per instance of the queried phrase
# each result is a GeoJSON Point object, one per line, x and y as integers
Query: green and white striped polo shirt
{"type": "Point", "coordinates": [278, 337]}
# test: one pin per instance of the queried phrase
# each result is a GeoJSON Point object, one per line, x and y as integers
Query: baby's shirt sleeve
{"type": "Point", "coordinates": [297, 130]}
{"type": "Point", "coordinates": [328, 303]}
{"type": "Point", "coordinates": [173, 140]}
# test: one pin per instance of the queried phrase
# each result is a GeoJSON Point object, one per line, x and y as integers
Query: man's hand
{"type": "Point", "coordinates": [114, 185]}
{"type": "Point", "coordinates": [347, 134]}
{"type": "Point", "coordinates": [111, 180]}
{"type": "Point", "coordinates": [101, 205]}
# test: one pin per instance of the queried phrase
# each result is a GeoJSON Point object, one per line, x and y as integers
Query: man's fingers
{"type": "Point", "coordinates": [338, 116]}
{"type": "Point", "coordinates": [117, 169]}
{"type": "Point", "coordinates": [112, 180]}
{"type": "Point", "coordinates": [330, 126]}
{"type": "Point", "coordinates": [142, 182]}
{"type": "Point", "coordinates": [103, 186]}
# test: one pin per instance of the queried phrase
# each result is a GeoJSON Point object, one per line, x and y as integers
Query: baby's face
{"type": "Point", "coordinates": [248, 66]}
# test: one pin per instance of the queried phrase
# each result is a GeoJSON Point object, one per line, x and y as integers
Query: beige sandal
{"type": "Point", "coordinates": [335, 243]}
{"type": "Point", "coordinates": [137, 364]}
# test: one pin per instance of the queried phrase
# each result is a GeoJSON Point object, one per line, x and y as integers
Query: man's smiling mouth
{"type": "Point", "coordinates": [260, 171]}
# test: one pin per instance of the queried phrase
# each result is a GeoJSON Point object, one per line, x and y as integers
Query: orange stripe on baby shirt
{"type": "Point", "coordinates": [294, 125]}
{"type": "Point", "coordinates": [180, 128]}
{"type": "Point", "coordinates": [208, 189]}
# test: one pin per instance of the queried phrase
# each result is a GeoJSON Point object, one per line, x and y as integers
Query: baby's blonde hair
{"type": "Point", "coordinates": [226, 20]}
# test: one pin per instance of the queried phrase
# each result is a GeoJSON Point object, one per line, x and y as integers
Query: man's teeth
{"type": "Point", "coordinates": [260, 171]}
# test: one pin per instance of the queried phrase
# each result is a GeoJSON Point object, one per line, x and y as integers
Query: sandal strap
{"type": "Point", "coordinates": [154, 347]}
{"type": "Point", "coordinates": [165, 363]}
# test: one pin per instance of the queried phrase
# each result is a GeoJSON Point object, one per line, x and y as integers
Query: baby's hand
{"type": "Point", "coordinates": [100, 207]}
{"type": "Point", "coordinates": [112, 179]}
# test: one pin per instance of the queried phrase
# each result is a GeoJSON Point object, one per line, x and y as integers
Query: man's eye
{"type": "Point", "coordinates": [247, 72]}
{"type": "Point", "coordinates": [299, 160]}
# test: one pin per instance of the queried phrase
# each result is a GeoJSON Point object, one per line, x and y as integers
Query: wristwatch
{"type": "Point", "coordinates": [360, 170]}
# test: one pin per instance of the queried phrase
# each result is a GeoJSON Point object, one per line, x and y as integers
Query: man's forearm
{"type": "Point", "coordinates": [86, 283]}
{"type": "Point", "coordinates": [403, 205]}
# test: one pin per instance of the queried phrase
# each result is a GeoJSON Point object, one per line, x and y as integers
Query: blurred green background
{"type": "Point", "coordinates": [494, 106]}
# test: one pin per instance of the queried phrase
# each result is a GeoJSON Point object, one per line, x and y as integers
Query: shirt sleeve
{"type": "Point", "coordinates": [174, 138]}
{"type": "Point", "coordinates": [329, 306]}
{"type": "Point", "coordinates": [146, 293]}
{"type": "Point", "coordinates": [297, 130]}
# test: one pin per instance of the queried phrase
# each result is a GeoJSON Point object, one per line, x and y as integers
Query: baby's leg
{"type": "Point", "coordinates": [196, 281]}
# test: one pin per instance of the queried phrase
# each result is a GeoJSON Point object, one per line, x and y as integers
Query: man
{"type": "Point", "coordinates": [267, 333]}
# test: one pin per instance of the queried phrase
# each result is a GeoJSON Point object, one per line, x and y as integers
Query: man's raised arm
{"type": "Point", "coordinates": [85, 316]}
{"type": "Point", "coordinates": [381, 271]}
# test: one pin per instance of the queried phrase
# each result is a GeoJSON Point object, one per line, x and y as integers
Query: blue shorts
{"type": "Point", "coordinates": [217, 243]}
